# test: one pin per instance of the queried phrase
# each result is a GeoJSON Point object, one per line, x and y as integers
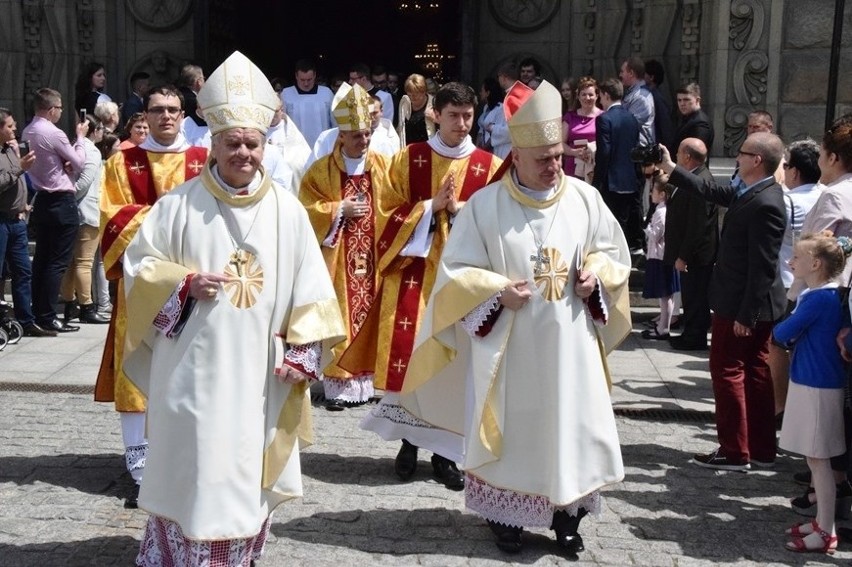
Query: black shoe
{"type": "Point", "coordinates": [566, 526]}
{"type": "Point", "coordinates": [803, 478]}
{"type": "Point", "coordinates": [655, 335]}
{"type": "Point", "coordinates": [56, 325]}
{"type": "Point", "coordinates": [446, 472]}
{"type": "Point", "coordinates": [89, 314]}
{"type": "Point", "coordinates": [684, 343]}
{"type": "Point", "coordinates": [33, 330]}
{"type": "Point", "coordinates": [132, 501]}
{"type": "Point", "coordinates": [509, 538]}
{"type": "Point", "coordinates": [405, 464]}
{"type": "Point", "coordinates": [335, 405]}
{"type": "Point", "coordinates": [72, 311]}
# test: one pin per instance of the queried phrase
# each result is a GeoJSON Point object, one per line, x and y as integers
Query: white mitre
{"type": "Point", "coordinates": [238, 95]}
{"type": "Point", "coordinates": [534, 116]}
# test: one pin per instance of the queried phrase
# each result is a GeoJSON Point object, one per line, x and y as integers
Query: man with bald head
{"type": "Point", "coordinates": [747, 297]}
{"type": "Point", "coordinates": [692, 232]}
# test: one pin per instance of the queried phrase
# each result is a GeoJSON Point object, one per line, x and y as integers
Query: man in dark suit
{"type": "Point", "coordinates": [694, 122]}
{"type": "Point", "coordinates": [664, 129]}
{"type": "Point", "coordinates": [747, 297]}
{"type": "Point", "coordinates": [190, 82]}
{"type": "Point", "coordinates": [616, 133]}
{"type": "Point", "coordinates": [692, 233]}
{"type": "Point", "coordinates": [140, 84]}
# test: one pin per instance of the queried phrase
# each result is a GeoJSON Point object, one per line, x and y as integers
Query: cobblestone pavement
{"type": "Point", "coordinates": [62, 484]}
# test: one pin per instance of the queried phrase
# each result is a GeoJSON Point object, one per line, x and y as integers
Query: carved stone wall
{"type": "Point", "coordinates": [745, 54]}
{"type": "Point", "coordinates": [44, 43]}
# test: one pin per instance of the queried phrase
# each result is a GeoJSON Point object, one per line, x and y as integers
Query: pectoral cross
{"type": "Point", "coordinates": [238, 262]}
{"type": "Point", "coordinates": [539, 258]}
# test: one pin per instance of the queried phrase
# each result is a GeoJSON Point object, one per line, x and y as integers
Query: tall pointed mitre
{"type": "Point", "coordinates": [351, 108]}
{"type": "Point", "coordinates": [238, 95]}
{"type": "Point", "coordinates": [534, 116]}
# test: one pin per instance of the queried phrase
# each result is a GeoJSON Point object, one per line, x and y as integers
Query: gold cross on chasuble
{"type": "Point", "coordinates": [246, 281]}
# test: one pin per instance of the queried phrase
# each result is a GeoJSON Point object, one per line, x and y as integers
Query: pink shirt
{"type": "Point", "coordinates": [579, 128]}
{"type": "Point", "coordinates": [52, 150]}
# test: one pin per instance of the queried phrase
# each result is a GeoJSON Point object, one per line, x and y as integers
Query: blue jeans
{"type": "Point", "coordinates": [13, 248]}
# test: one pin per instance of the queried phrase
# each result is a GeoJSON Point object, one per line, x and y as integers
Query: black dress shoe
{"type": "Point", "coordinates": [335, 405]}
{"type": "Point", "coordinates": [132, 501]}
{"type": "Point", "coordinates": [33, 330]}
{"type": "Point", "coordinates": [72, 311]}
{"type": "Point", "coordinates": [405, 464]}
{"type": "Point", "coordinates": [446, 472]}
{"type": "Point", "coordinates": [684, 343]}
{"type": "Point", "coordinates": [55, 325]}
{"type": "Point", "coordinates": [565, 525]}
{"type": "Point", "coordinates": [89, 314]}
{"type": "Point", "coordinates": [509, 538]}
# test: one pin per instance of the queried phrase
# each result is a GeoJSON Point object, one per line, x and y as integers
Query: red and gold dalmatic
{"type": "Point", "coordinates": [133, 180]}
{"type": "Point", "coordinates": [348, 245]}
{"type": "Point", "coordinates": [417, 173]}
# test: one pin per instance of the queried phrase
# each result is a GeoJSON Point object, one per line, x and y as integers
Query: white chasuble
{"type": "Point", "coordinates": [218, 462]}
{"type": "Point", "coordinates": [537, 415]}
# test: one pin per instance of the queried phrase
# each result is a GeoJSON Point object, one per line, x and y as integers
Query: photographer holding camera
{"type": "Point", "coordinates": [15, 159]}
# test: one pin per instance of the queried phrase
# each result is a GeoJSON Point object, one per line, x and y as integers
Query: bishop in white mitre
{"type": "Point", "coordinates": [530, 295]}
{"type": "Point", "coordinates": [230, 309]}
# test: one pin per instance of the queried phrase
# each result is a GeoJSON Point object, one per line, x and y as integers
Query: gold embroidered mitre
{"type": "Point", "coordinates": [238, 95]}
{"type": "Point", "coordinates": [351, 108]}
{"type": "Point", "coordinates": [534, 116]}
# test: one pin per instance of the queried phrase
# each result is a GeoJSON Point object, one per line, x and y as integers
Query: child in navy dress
{"type": "Point", "coordinates": [661, 280]}
{"type": "Point", "coordinates": [813, 421]}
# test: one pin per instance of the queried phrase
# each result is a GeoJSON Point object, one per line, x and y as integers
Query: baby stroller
{"type": "Point", "coordinates": [10, 330]}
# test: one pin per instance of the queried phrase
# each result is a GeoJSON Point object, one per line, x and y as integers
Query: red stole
{"type": "Point", "coordinates": [357, 238]}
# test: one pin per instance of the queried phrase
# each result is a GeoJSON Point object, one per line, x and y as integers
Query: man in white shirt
{"type": "Point", "coordinates": [307, 103]}
{"type": "Point", "coordinates": [359, 74]}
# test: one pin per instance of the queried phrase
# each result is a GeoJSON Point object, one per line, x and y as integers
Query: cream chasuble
{"type": "Point", "coordinates": [537, 418]}
{"type": "Point", "coordinates": [223, 430]}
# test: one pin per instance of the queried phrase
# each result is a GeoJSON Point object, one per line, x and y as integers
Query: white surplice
{"type": "Point", "coordinates": [310, 112]}
{"type": "Point", "coordinates": [216, 408]}
{"type": "Point", "coordinates": [537, 419]}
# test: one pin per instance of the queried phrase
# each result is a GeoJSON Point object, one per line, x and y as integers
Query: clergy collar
{"type": "Point", "coordinates": [463, 150]}
{"type": "Point", "coordinates": [532, 193]}
{"type": "Point", "coordinates": [212, 181]}
{"type": "Point", "coordinates": [354, 166]}
{"type": "Point", "coordinates": [518, 193]}
{"type": "Point", "coordinates": [312, 91]}
{"type": "Point", "coordinates": [179, 145]}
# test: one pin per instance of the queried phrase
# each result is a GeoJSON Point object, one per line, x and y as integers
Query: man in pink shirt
{"type": "Point", "coordinates": [54, 214]}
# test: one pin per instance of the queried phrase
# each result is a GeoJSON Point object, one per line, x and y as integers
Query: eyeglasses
{"type": "Point", "coordinates": [752, 154]}
{"type": "Point", "coordinates": [171, 110]}
{"type": "Point", "coordinates": [788, 166]}
{"type": "Point", "coordinates": [59, 107]}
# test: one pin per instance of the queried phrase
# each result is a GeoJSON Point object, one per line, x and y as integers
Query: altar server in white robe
{"type": "Point", "coordinates": [530, 295]}
{"type": "Point", "coordinates": [307, 103]}
{"type": "Point", "coordinates": [230, 308]}
{"type": "Point", "coordinates": [284, 134]}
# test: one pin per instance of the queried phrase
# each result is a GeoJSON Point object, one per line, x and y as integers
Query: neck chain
{"type": "Point", "coordinates": [238, 258]}
{"type": "Point", "coordinates": [539, 257]}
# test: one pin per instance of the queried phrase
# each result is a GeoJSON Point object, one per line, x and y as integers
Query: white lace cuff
{"type": "Point", "coordinates": [305, 358]}
{"type": "Point", "coordinates": [473, 321]}
{"type": "Point", "coordinates": [333, 236]}
{"type": "Point", "coordinates": [167, 319]}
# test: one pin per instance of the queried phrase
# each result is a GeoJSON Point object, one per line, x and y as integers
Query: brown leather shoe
{"type": "Point", "coordinates": [33, 330]}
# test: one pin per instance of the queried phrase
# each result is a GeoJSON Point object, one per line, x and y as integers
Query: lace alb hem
{"type": "Point", "coordinates": [395, 413]}
{"type": "Point", "coordinates": [135, 457]}
{"type": "Point", "coordinates": [164, 544]}
{"type": "Point", "coordinates": [516, 509]}
{"type": "Point", "coordinates": [358, 389]}
{"type": "Point", "coordinates": [333, 236]}
{"type": "Point", "coordinates": [473, 321]}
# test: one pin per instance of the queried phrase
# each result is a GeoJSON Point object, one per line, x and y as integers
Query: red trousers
{"type": "Point", "coordinates": [742, 387]}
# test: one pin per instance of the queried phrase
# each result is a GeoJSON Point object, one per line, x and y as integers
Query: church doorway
{"type": "Point", "coordinates": [404, 36]}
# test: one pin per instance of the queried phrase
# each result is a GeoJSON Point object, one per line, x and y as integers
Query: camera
{"type": "Point", "coordinates": [646, 155]}
{"type": "Point", "coordinates": [82, 115]}
{"type": "Point", "coordinates": [23, 148]}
